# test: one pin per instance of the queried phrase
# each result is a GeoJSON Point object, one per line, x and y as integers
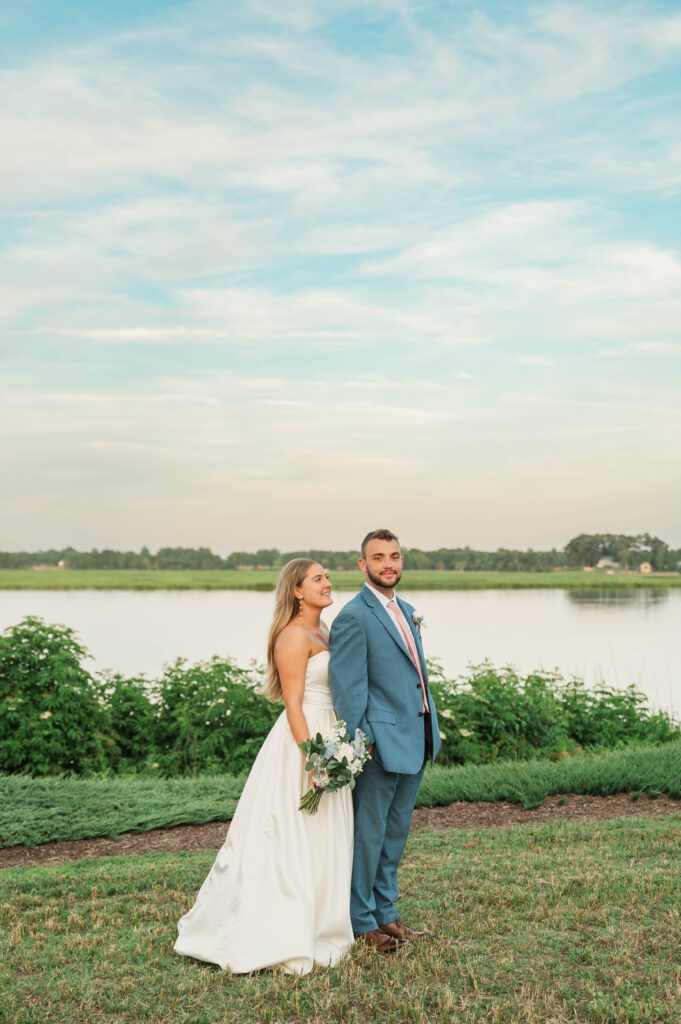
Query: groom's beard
{"type": "Point", "coordinates": [383, 583]}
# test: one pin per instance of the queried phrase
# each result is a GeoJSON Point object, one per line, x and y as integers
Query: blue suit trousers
{"type": "Point", "coordinates": [383, 805]}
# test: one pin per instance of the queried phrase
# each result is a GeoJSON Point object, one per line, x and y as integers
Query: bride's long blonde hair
{"type": "Point", "coordinates": [285, 610]}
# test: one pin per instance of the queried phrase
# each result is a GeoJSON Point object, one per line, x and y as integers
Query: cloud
{"type": "Point", "coordinates": [250, 251]}
{"type": "Point", "coordinates": [101, 116]}
{"type": "Point", "coordinates": [538, 361]}
{"type": "Point", "coordinates": [659, 348]}
{"type": "Point", "coordinates": [134, 334]}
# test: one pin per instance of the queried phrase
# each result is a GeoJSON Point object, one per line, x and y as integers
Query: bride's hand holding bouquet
{"type": "Point", "coordinates": [333, 761]}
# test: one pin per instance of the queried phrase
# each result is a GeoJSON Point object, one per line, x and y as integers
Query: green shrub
{"type": "Point", "coordinates": [42, 810]}
{"type": "Point", "coordinates": [132, 722]}
{"type": "Point", "coordinates": [495, 714]}
{"type": "Point", "coordinates": [55, 717]}
{"type": "Point", "coordinates": [51, 715]}
{"type": "Point", "coordinates": [210, 719]}
{"type": "Point", "coordinates": [652, 770]}
{"type": "Point", "coordinates": [56, 809]}
{"type": "Point", "coordinates": [610, 718]}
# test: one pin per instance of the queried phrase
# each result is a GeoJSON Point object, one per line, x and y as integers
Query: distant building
{"type": "Point", "coordinates": [607, 563]}
{"type": "Point", "coordinates": [645, 567]}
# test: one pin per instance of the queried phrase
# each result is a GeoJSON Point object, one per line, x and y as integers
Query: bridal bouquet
{"type": "Point", "coordinates": [334, 761]}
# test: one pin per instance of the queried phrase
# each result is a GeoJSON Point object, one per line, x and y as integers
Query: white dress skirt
{"type": "Point", "coordinates": [279, 890]}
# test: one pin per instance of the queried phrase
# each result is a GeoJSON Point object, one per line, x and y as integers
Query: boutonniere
{"type": "Point", "coordinates": [417, 619]}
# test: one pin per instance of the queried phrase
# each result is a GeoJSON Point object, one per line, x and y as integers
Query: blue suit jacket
{"type": "Point", "coordinates": [375, 685]}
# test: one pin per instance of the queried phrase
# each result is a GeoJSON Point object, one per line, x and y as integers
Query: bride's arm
{"type": "Point", "coordinates": [291, 654]}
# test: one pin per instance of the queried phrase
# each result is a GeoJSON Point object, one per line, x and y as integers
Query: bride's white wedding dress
{"type": "Point", "coordinates": [279, 890]}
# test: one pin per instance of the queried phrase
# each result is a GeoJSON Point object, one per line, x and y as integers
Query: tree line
{"type": "Point", "coordinates": [629, 552]}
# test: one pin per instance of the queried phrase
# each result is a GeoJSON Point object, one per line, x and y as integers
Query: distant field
{"type": "Point", "coordinates": [413, 579]}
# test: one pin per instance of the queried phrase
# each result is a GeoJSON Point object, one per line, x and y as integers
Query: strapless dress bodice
{"type": "Point", "coordinates": [317, 690]}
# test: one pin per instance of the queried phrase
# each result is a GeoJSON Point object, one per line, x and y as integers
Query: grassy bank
{"type": "Point", "coordinates": [413, 579]}
{"type": "Point", "coordinates": [558, 923]}
{"type": "Point", "coordinates": [36, 811]}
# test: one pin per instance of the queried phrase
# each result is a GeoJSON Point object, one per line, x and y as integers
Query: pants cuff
{"type": "Point", "coordinates": [389, 918]}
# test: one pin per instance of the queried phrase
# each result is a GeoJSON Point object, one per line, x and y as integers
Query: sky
{"type": "Point", "coordinates": [274, 275]}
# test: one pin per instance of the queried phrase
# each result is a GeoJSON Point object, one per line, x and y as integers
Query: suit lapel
{"type": "Point", "coordinates": [384, 618]}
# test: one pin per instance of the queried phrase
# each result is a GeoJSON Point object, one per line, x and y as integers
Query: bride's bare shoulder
{"type": "Point", "coordinates": [292, 642]}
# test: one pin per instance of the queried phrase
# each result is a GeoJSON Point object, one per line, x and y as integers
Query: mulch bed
{"type": "Point", "coordinates": [460, 815]}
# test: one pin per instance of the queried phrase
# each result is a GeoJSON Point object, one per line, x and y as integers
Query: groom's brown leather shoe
{"type": "Point", "coordinates": [381, 942]}
{"type": "Point", "coordinates": [398, 930]}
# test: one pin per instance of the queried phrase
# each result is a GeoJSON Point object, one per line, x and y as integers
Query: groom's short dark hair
{"type": "Point", "coordinates": [378, 535]}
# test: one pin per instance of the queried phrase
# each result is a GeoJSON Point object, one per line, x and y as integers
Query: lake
{"type": "Point", "coordinates": [615, 636]}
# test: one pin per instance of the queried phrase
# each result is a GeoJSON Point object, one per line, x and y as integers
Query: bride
{"type": "Point", "coordinates": [279, 890]}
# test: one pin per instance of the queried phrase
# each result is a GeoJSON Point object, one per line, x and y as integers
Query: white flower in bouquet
{"type": "Point", "coordinates": [345, 751]}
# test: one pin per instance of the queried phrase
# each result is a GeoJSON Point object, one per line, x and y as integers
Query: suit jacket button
{"type": "Point", "coordinates": [420, 714]}
{"type": "Point", "coordinates": [418, 686]}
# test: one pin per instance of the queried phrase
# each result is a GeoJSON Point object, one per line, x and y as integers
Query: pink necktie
{"type": "Point", "coordinates": [411, 646]}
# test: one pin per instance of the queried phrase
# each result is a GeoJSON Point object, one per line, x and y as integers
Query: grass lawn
{"type": "Point", "coordinates": [413, 579]}
{"type": "Point", "coordinates": [538, 925]}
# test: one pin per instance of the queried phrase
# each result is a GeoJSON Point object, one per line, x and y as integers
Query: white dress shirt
{"type": "Point", "coordinates": [384, 601]}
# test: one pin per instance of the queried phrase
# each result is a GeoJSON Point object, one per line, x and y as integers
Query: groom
{"type": "Point", "coordinates": [379, 684]}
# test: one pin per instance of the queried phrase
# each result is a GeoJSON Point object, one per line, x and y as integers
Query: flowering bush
{"type": "Point", "coordinates": [51, 716]}
{"type": "Point", "coordinates": [495, 714]}
{"type": "Point", "coordinates": [55, 717]}
{"type": "Point", "coordinates": [209, 718]}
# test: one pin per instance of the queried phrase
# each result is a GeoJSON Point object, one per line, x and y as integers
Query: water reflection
{"type": "Point", "coordinates": [643, 597]}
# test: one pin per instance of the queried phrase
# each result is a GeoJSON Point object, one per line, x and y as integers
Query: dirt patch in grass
{"type": "Point", "coordinates": [458, 815]}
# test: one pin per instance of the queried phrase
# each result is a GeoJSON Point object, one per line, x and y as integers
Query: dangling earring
{"type": "Point", "coordinates": [300, 607]}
